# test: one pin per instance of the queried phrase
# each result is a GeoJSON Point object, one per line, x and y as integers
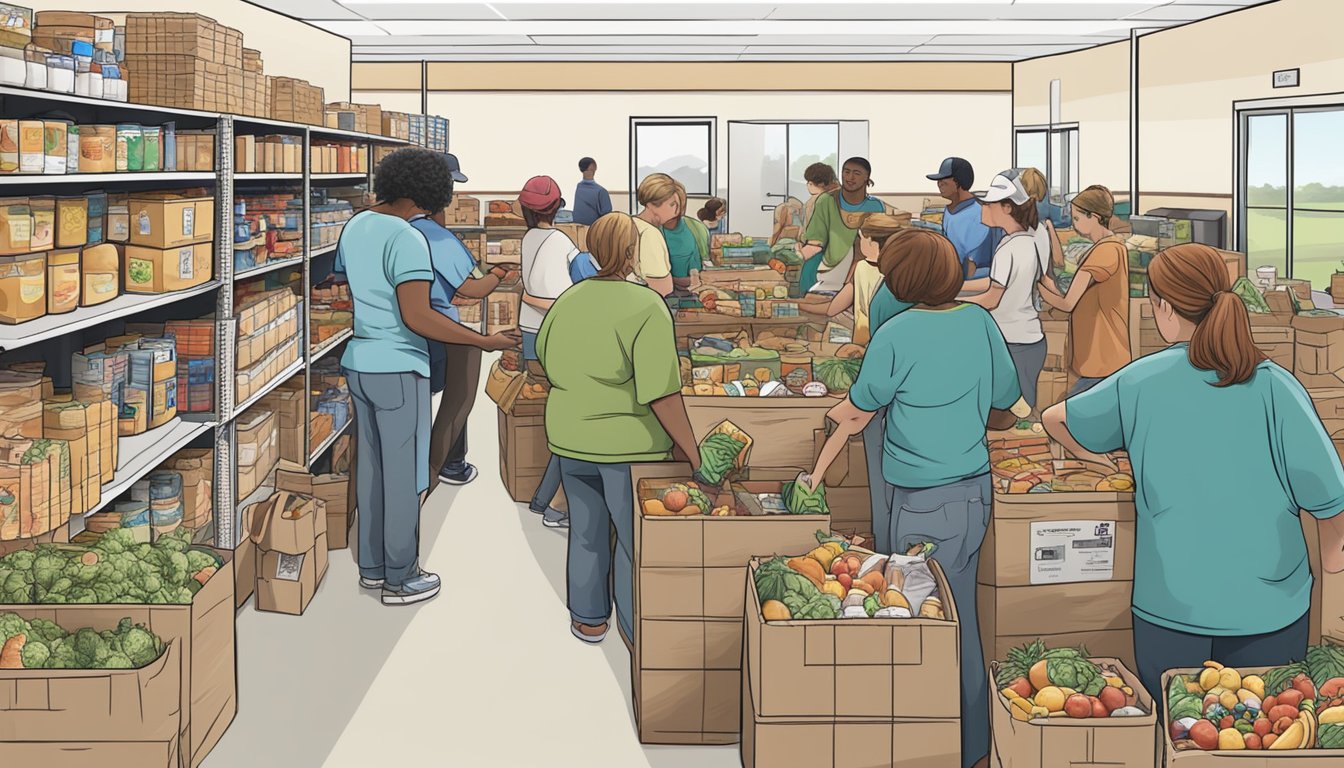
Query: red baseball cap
{"type": "Point", "coordinates": [540, 193]}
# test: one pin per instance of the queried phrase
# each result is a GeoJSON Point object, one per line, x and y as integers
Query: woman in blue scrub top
{"type": "Point", "coordinates": [935, 460]}
{"type": "Point", "coordinates": [1227, 449]}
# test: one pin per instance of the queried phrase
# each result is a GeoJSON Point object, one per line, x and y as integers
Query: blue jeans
{"type": "Point", "coordinates": [954, 517]}
{"type": "Point", "coordinates": [599, 497]}
{"type": "Point", "coordinates": [529, 345]}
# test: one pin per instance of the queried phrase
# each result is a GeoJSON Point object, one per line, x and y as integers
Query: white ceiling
{"type": "Point", "coordinates": [709, 30]}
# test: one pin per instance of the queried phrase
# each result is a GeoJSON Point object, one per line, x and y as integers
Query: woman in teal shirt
{"type": "Point", "coordinates": [1226, 449]}
{"type": "Point", "coordinates": [687, 241]}
{"type": "Point", "coordinates": [834, 225]}
{"type": "Point", "coordinates": [935, 460]}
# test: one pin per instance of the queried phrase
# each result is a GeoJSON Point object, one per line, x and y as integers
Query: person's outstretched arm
{"type": "Point", "coordinates": [420, 317]}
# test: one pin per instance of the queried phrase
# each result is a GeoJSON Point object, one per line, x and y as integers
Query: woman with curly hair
{"type": "Point", "coordinates": [387, 263]}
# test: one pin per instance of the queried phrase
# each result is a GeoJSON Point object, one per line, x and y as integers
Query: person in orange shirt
{"type": "Point", "coordinates": [1098, 299]}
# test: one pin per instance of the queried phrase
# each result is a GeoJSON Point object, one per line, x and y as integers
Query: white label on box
{"type": "Point", "coordinates": [1065, 551]}
{"type": "Point", "coordinates": [143, 220]}
{"type": "Point", "coordinates": [188, 221]}
{"type": "Point", "coordinates": [289, 567]}
{"type": "Point", "coordinates": [186, 264]}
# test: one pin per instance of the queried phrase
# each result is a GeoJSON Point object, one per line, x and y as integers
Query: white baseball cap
{"type": "Point", "coordinates": [1005, 186]}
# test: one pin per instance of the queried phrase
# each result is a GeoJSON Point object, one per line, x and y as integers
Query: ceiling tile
{"type": "Point", "coordinates": [642, 11]}
{"type": "Point", "coordinates": [311, 9]}
{"type": "Point", "coordinates": [1182, 13]}
{"type": "Point", "coordinates": [376, 9]}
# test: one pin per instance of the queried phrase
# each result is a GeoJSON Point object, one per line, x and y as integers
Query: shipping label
{"type": "Point", "coordinates": [1072, 550]}
{"type": "Point", "coordinates": [289, 567]}
{"type": "Point", "coordinates": [188, 221]}
{"type": "Point", "coordinates": [186, 263]}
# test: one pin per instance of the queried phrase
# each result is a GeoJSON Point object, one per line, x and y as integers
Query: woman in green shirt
{"type": "Point", "coordinates": [1227, 451]}
{"type": "Point", "coordinates": [831, 230]}
{"type": "Point", "coordinates": [935, 459]}
{"type": "Point", "coordinates": [608, 349]}
{"type": "Point", "coordinates": [687, 244]}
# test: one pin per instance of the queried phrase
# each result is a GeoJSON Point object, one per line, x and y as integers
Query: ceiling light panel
{"type": "Point", "coordinates": [633, 11]}
{"type": "Point", "coordinates": [312, 9]}
{"type": "Point", "coordinates": [375, 9]}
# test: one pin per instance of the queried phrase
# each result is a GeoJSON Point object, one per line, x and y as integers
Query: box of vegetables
{"type": "Point", "coordinates": [110, 683]}
{"type": "Point", "coordinates": [1218, 715]}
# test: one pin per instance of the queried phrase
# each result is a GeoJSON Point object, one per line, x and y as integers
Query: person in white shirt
{"type": "Point", "coordinates": [1009, 293]}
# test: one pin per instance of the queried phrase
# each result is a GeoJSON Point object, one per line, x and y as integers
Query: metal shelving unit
{"type": "Point", "coordinates": [331, 344]}
{"type": "Point", "coordinates": [331, 439]}
{"type": "Point", "coordinates": [140, 454]}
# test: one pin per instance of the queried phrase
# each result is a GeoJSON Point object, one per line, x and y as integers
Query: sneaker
{"type": "Point", "coordinates": [416, 589]}
{"type": "Point", "coordinates": [368, 583]}
{"type": "Point", "coordinates": [554, 518]}
{"type": "Point", "coordinates": [588, 633]}
{"type": "Point", "coordinates": [459, 474]}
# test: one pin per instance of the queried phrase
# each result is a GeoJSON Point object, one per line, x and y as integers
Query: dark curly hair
{"type": "Point", "coordinates": [418, 174]}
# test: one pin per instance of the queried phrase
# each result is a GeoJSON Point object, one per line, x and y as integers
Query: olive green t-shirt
{"type": "Point", "coordinates": [609, 352]}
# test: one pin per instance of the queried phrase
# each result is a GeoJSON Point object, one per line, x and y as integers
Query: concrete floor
{"type": "Point", "coordinates": [487, 673]}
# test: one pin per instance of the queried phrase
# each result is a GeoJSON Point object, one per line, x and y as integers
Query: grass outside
{"type": "Point", "coordinates": [1318, 249]}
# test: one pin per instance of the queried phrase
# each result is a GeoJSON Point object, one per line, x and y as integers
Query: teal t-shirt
{"type": "Point", "coordinates": [937, 403]}
{"type": "Point", "coordinates": [682, 248]}
{"type": "Point", "coordinates": [884, 307]}
{"type": "Point", "coordinates": [1221, 475]}
{"type": "Point", "coordinates": [377, 253]}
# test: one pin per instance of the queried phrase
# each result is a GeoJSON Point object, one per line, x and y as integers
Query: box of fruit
{"type": "Point", "coordinates": [1059, 706]}
{"type": "Point", "coordinates": [1215, 714]}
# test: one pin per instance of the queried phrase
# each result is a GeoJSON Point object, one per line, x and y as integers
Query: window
{"type": "Point", "coordinates": [1292, 191]}
{"type": "Point", "coordinates": [681, 147]}
{"type": "Point", "coordinates": [1054, 152]}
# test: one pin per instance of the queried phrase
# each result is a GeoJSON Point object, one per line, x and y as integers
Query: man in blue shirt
{"type": "Point", "coordinates": [975, 242]}
{"type": "Point", "coordinates": [591, 201]}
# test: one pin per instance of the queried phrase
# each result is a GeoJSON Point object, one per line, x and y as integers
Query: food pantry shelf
{"type": "Point", "coordinates": [140, 454]}
{"type": "Point", "coordinates": [361, 177]}
{"type": "Point", "coordinates": [269, 266]}
{"type": "Point", "coordinates": [65, 98]}
{"type": "Point", "coordinates": [16, 180]}
{"type": "Point", "coordinates": [330, 344]}
{"type": "Point", "coordinates": [323, 250]}
{"type": "Point", "coordinates": [51, 326]}
{"type": "Point", "coordinates": [240, 177]}
{"type": "Point", "coordinates": [284, 376]}
{"type": "Point", "coordinates": [327, 443]}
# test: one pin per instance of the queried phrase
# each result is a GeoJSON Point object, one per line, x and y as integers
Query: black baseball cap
{"type": "Point", "coordinates": [454, 168]}
{"type": "Point", "coordinates": [957, 169]}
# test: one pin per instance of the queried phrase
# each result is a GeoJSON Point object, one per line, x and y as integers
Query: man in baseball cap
{"type": "Point", "coordinates": [1006, 186]}
{"type": "Point", "coordinates": [975, 242]}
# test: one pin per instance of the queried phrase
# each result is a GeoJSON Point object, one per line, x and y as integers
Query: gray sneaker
{"type": "Point", "coordinates": [554, 518]}
{"type": "Point", "coordinates": [368, 583]}
{"type": "Point", "coordinates": [417, 589]}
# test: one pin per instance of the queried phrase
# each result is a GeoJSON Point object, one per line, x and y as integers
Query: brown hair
{"type": "Point", "coordinates": [1033, 181]}
{"type": "Point", "coordinates": [657, 188]}
{"type": "Point", "coordinates": [612, 241]}
{"type": "Point", "coordinates": [921, 267]}
{"type": "Point", "coordinates": [880, 227]}
{"type": "Point", "coordinates": [1194, 281]}
{"type": "Point", "coordinates": [1025, 214]}
{"type": "Point", "coordinates": [1097, 201]}
{"type": "Point", "coordinates": [712, 210]}
{"type": "Point", "coordinates": [533, 218]}
{"type": "Point", "coordinates": [820, 174]}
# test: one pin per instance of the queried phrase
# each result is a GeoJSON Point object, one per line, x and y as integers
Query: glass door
{"type": "Point", "coordinates": [1264, 219]}
{"type": "Point", "coordinates": [810, 143]}
{"type": "Point", "coordinates": [758, 175]}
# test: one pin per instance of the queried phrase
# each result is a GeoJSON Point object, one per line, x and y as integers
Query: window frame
{"type": "Point", "coordinates": [712, 126]}
{"type": "Point", "coordinates": [1067, 154]}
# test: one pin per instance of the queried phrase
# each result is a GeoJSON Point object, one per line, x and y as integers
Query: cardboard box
{"type": "Point", "coordinates": [203, 637]}
{"type": "Point", "coordinates": [850, 468]}
{"type": "Point", "coordinates": [774, 423]}
{"type": "Point", "coordinates": [1319, 351]}
{"type": "Point", "coordinates": [333, 491]}
{"type": "Point", "coordinates": [290, 535]}
{"type": "Point", "coordinates": [197, 467]}
{"type": "Point", "coordinates": [296, 101]}
{"type": "Point", "coordinates": [1122, 742]}
{"type": "Point", "coordinates": [688, 609]}
{"type": "Point", "coordinates": [152, 270]}
{"type": "Point", "coordinates": [245, 558]}
{"type": "Point", "coordinates": [851, 692]}
{"type": "Point", "coordinates": [1099, 617]}
{"type": "Point", "coordinates": [1278, 344]}
{"type": "Point", "coordinates": [1058, 538]}
{"type": "Point", "coordinates": [20, 404]}
{"type": "Point", "coordinates": [55, 718]}
{"type": "Point", "coordinates": [523, 451]}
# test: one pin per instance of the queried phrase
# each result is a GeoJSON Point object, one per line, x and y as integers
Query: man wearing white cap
{"type": "Point", "coordinates": [1009, 292]}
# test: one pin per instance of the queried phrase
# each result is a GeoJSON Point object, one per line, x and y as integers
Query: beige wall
{"type": "Point", "coordinates": [288, 47]}
{"type": "Point", "coordinates": [1094, 93]}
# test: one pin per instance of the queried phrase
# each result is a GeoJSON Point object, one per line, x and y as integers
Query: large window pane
{"type": "Point", "coordinates": [1031, 150]}
{"type": "Point", "coordinates": [811, 143]}
{"type": "Point", "coordinates": [681, 150]}
{"type": "Point", "coordinates": [1318, 160]}
{"type": "Point", "coordinates": [1318, 246]}
{"type": "Point", "coordinates": [1267, 239]}
{"type": "Point", "coordinates": [1072, 136]}
{"type": "Point", "coordinates": [1267, 160]}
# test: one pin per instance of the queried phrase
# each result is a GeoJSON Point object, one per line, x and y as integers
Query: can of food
{"type": "Point", "coordinates": [130, 148]}
{"type": "Point", "coordinates": [153, 148]}
{"type": "Point", "coordinates": [72, 148]}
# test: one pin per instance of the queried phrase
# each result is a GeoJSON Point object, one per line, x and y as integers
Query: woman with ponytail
{"type": "Point", "coordinates": [1227, 450]}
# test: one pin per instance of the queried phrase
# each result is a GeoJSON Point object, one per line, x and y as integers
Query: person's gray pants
{"type": "Point", "coordinates": [954, 517]}
{"type": "Point", "coordinates": [548, 487]}
{"type": "Point", "coordinates": [1030, 360]}
{"type": "Point", "coordinates": [392, 421]}
{"type": "Point", "coordinates": [599, 497]}
{"type": "Point", "coordinates": [874, 436]}
{"type": "Point", "coordinates": [1082, 385]}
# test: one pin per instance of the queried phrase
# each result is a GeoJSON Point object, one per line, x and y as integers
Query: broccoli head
{"type": "Point", "coordinates": [116, 541]}
{"type": "Point", "coordinates": [117, 660]}
{"type": "Point", "coordinates": [140, 646]}
{"type": "Point", "coordinates": [18, 561]}
{"type": "Point", "coordinates": [35, 654]}
{"type": "Point", "coordinates": [46, 631]}
{"type": "Point", "coordinates": [12, 624]}
{"type": "Point", "coordinates": [176, 541]}
{"type": "Point", "coordinates": [17, 588]}
{"type": "Point", "coordinates": [198, 561]}
{"type": "Point", "coordinates": [62, 656]}
{"type": "Point", "coordinates": [48, 568]}
{"type": "Point", "coordinates": [90, 649]}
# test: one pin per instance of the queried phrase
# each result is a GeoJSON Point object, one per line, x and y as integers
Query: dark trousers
{"type": "Point", "coordinates": [1158, 649]}
{"type": "Point", "coordinates": [448, 436]}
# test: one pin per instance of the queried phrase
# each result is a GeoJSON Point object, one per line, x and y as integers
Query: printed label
{"type": "Point", "coordinates": [100, 285]}
{"type": "Point", "coordinates": [20, 231]}
{"type": "Point", "coordinates": [32, 289]}
{"type": "Point", "coordinates": [1072, 550]}
{"type": "Point", "coordinates": [188, 221]}
{"type": "Point", "coordinates": [142, 222]}
{"type": "Point", "coordinates": [289, 567]}
{"type": "Point", "coordinates": [186, 264]}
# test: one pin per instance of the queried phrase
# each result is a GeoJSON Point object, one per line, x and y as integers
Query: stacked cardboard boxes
{"type": "Point", "coordinates": [195, 363]}
{"type": "Point", "coordinates": [58, 30]}
{"type": "Point", "coordinates": [258, 441]}
{"type": "Point", "coordinates": [463, 211]}
{"type": "Point", "coordinates": [396, 125]}
{"type": "Point", "coordinates": [268, 339]}
{"type": "Point", "coordinates": [256, 86]}
{"type": "Point", "coordinates": [197, 467]}
{"type": "Point", "coordinates": [170, 243]}
{"type": "Point", "coordinates": [184, 60]}
{"type": "Point", "coordinates": [688, 608]}
{"type": "Point", "coordinates": [289, 533]}
{"type": "Point", "coordinates": [289, 402]}
{"type": "Point", "coordinates": [296, 101]}
{"type": "Point", "coordinates": [429, 131]}
{"type": "Point", "coordinates": [195, 150]}
{"type": "Point", "coordinates": [367, 118]}
{"type": "Point", "coordinates": [338, 158]}
{"type": "Point", "coordinates": [334, 491]}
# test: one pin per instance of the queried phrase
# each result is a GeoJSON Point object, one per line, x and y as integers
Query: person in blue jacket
{"type": "Point", "coordinates": [591, 200]}
{"type": "Point", "coordinates": [975, 242]}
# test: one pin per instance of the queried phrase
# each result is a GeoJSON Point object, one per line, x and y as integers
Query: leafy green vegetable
{"type": "Point", "coordinates": [798, 500]}
{"type": "Point", "coordinates": [775, 579]}
{"type": "Point", "coordinates": [1076, 673]}
{"type": "Point", "coordinates": [871, 605]}
{"type": "Point", "coordinates": [816, 606]}
{"type": "Point", "coordinates": [838, 373]}
{"type": "Point", "coordinates": [1324, 662]}
{"type": "Point", "coordinates": [141, 271]}
{"type": "Point", "coordinates": [1251, 297]}
{"type": "Point", "coordinates": [718, 456]}
{"type": "Point", "coordinates": [49, 646]}
{"type": "Point", "coordinates": [1278, 680]}
{"type": "Point", "coordinates": [1188, 706]}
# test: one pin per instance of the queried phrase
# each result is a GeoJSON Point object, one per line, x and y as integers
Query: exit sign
{"type": "Point", "coordinates": [1287, 78]}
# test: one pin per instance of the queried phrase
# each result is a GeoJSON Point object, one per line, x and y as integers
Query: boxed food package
{"type": "Point", "coordinates": [23, 287]}
{"type": "Point", "coordinates": [289, 532]}
{"type": "Point", "coordinates": [296, 101]}
{"type": "Point", "coordinates": [257, 449]}
{"type": "Point", "coordinates": [154, 270]}
{"type": "Point", "coordinates": [1024, 741]}
{"type": "Point", "coordinates": [207, 694]}
{"type": "Point", "coordinates": [196, 466]}
{"type": "Point", "coordinates": [688, 608]}
{"type": "Point", "coordinates": [69, 421]}
{"type": "Point", "coordinates": [16, 226]}
{"type": "Point", "coordinates": [256, 94]}
{"type": "Point", "coordinates": [185, 82]}
{"type": "Point", "coordinates": [463, 211]}
{"type": "Point", "coordinates": [20, 404]}
{"type": "Point", "coordinates": [335, 493]}
{"type": "Point", "coordinates": [289, 402]}
{"type": "Point", "coordinates": [838, 692]}
{"type": "Point", "coordinates": [168, 220]}
{"type": "Point", "coordinates": [63, 281]}
{"type": "Point", "coordinates": [188, 34]}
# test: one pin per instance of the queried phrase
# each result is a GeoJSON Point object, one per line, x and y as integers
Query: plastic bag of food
{"type": "Point", "coordinates": [919, 583]}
